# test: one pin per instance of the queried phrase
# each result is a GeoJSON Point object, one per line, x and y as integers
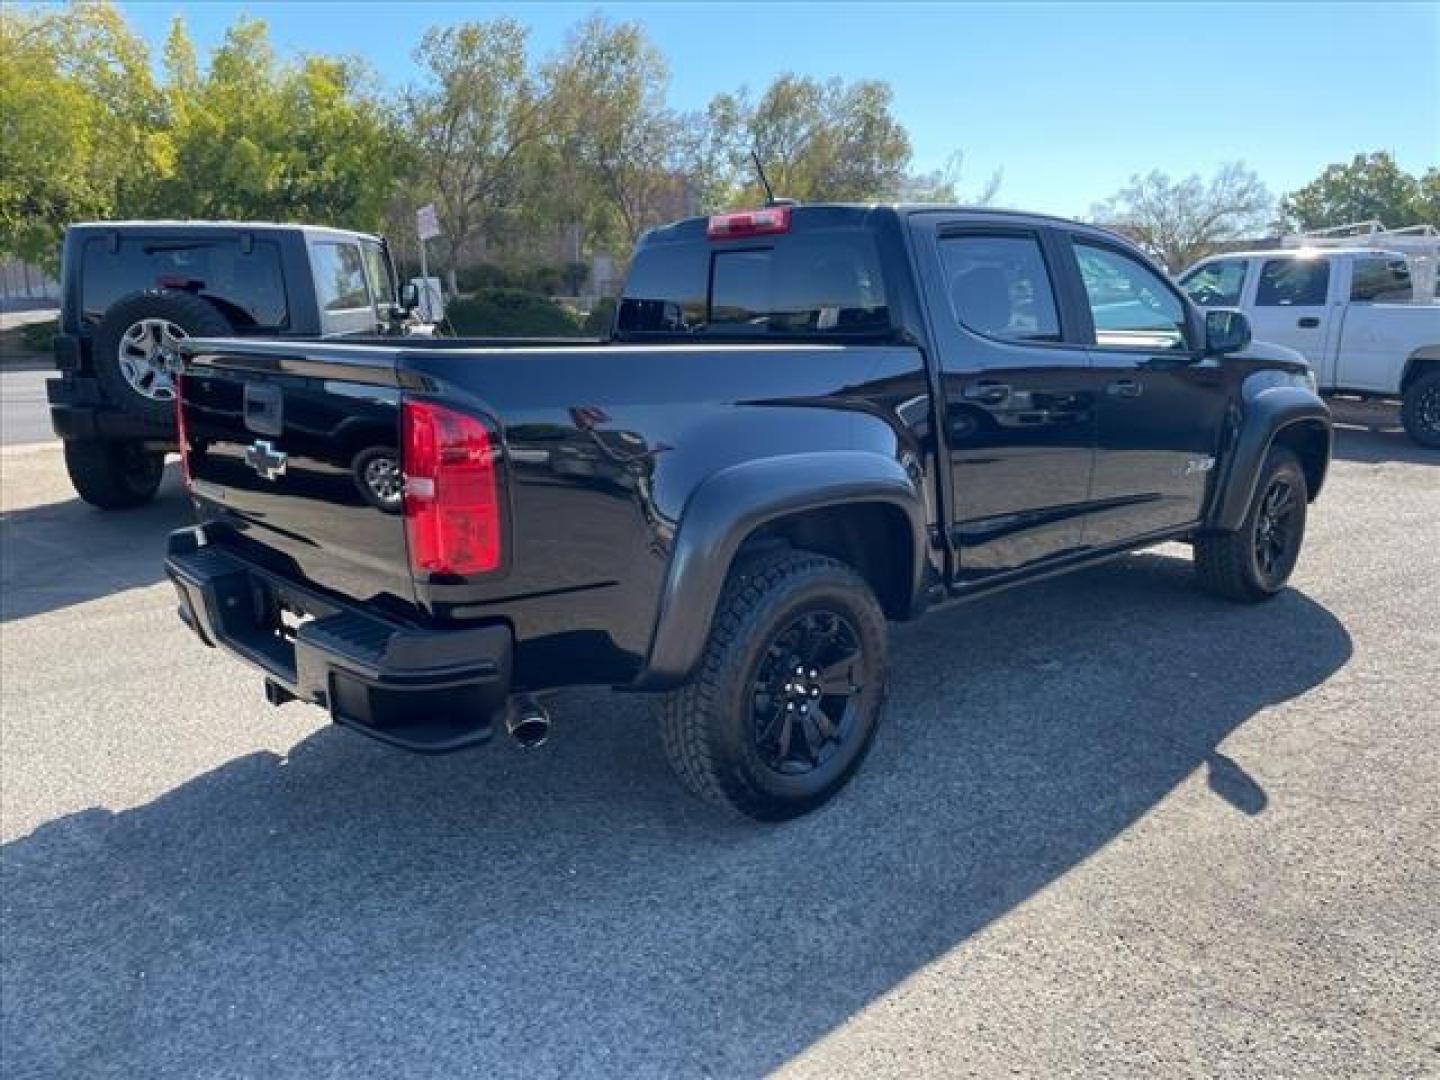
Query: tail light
{"type": "Point", "coordinates": [178, 381]}
{"type": "Point", "coordinates": [773, 219]}
{"type": "Point", "coordinates": [452, 492]}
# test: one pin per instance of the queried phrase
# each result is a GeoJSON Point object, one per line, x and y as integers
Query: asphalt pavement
{"type": "Point", "coordinates": [1111, 826]}
{"type": "Point", "coordinates": [24, 415]}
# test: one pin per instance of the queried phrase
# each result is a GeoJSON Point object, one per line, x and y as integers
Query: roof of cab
{"type": "Point", "coordinates": [1302, 253]}
{"type": "Point", "coordinates": [685, 228]}
{"type": "Point", "coordinates": [250, 226]}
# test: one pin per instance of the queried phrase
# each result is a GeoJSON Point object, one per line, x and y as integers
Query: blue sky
{"type": "Point", "coordinates": [1068, 99]}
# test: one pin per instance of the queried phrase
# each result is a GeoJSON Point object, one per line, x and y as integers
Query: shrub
{"type": "Point", "coordinates": [601, 318]}
{"type": "Point", "coordinates": [480, 276]}
{"type": "Point", "coordinates": [40, 336]}
{"type": "Point", "coordinates": [496, 312]}
{"type": "Point", "coordinates": [549, 278]}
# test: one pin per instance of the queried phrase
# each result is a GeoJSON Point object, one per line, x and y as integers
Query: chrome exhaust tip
{"type": "Point", "coordinates": [528, 723]}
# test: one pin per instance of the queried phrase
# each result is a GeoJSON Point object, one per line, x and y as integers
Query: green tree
{"type": "Point", "coordinates": [255, 138]}
{"type": "Point", "coordinates": [819, 141]}
{"type": "Point", "coordinates": [1369, 187]}
{"type": "Point", "coordinates": [617, 141]}
{"type": "Point", "coordinates": [81, 124]}
{"type": "Point", "coordinates": [1181, 221]}
{"type": "Point", "coordinates": [1427, 199]}
{"type": "Point", "coordinates": [477, 122]}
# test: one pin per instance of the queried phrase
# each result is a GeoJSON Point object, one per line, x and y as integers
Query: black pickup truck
{"type": "Point", "coordinates": [806, 421]}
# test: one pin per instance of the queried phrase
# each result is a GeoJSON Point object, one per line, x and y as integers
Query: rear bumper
{"type": "Point", "coordinates": [79, 410]}
{"type": "Point", "coordinates": [430, 691]}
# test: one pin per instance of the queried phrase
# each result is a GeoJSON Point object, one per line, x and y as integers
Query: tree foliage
{"type": "Point", "coordinates": [1181, 221]}
{"type": "Point", "coordinates": [1369, 187]}
{"type": "Point", "coordinates": [819, 141]}
{"type": "Point", "coordinates": [254, 138]}
{"type": "Point", "coordinates": [616, 142]}
{"type": "Point", "coordinates": [81, 124]}
{"type": "Point", "coordinates": [580, 146]}
{"type": "Point", "coordinates": [476, 122]}
{"type": "Point", "coordinates": [88, 132]}
{"type": "Point", "coordinates": [571, 153]}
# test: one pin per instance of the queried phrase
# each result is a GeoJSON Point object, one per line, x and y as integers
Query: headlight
{"type": "Point", "coordinates": [1274, 378]}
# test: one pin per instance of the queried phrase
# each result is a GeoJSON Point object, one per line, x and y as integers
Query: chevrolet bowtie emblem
{"type": "Point", "coordinates": [262, 456]}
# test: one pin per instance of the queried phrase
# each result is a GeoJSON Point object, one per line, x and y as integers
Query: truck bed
{"type": "Point", "coordinates": [600, 448]}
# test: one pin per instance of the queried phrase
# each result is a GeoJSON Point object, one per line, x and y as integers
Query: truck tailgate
{"type": "Point", "coordinates": [293, 452]}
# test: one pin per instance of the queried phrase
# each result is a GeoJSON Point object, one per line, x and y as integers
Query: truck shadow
{"type": "Point", "coordinates": [58, 554]}
{"type": "Point", "coordinates": [500, 913]}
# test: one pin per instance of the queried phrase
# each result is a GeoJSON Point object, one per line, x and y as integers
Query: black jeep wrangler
{"type": "Point", "coordinates": [132, 290]}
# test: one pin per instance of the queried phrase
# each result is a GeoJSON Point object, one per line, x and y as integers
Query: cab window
{"type": "Point", "coordinates": [824, 284]}
{"type": "Point", "coordinates": [1293, 283]}
{"type": "Point", "coordinates": [382, 287]}
{"type": "Point", "coordinates": [1132, 307]}
{"type": "Point", "coordinates": [1216, 284]}
{"type": "Point", "coordinates": [1380, 281]}
{"type": "Point", "coordinates": [339, 277]}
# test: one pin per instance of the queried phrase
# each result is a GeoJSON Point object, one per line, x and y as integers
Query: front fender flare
{"type": "Point", "coordinates": [1267, 412]}
{"type": "Point", "coordinates": [729, 506]}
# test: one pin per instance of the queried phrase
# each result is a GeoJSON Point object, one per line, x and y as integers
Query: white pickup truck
{"type": "Point", "coordinates": [1352, 313]}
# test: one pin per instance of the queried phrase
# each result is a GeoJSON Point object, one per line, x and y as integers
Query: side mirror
{"type": "Point", "coordinates": [409, 297]}
{"type": "Point", "coordinates": [1226, 331]}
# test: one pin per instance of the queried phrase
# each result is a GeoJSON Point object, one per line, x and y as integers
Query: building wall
{"type": "Point", "coordinates": [23, 281]}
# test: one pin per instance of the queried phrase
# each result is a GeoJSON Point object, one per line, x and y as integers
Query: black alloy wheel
{"type": "Point", "coordinates": [806, 692]}
{"type": "Point", "coordinates": [1276, 538]}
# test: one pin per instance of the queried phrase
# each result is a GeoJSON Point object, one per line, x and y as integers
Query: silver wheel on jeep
{"type": "Point", "coordinates": [383, 477]}
{"type": "Point", "coordinates": [148, 354]}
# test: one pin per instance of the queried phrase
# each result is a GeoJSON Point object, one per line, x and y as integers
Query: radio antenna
{"type": "Point", "coordinates": [764, 182]}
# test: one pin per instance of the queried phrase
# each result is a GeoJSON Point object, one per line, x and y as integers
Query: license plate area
{"type": "Point", "coordinates": [290, 620]}
{"type": "Point", "coordinates": [275, 617]}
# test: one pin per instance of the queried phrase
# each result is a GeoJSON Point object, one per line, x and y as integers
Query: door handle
{"type": "Point", "coordinates": [1124, 388]}
{"type": "Point", "coordinates": [986, 392]}
{"type": "Point", "coordinates": [1308, 322]}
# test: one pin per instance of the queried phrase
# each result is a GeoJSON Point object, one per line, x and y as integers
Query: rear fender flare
{"type": "Point", "coordinates": [729, 506]}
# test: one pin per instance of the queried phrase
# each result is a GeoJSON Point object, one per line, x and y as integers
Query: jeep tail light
{"type": "Point", "coordinates": [452, 493]}
{"type": "Point", "coordinates": [179, 383]}
{"type": "Point", "coordinates": [772, 219]}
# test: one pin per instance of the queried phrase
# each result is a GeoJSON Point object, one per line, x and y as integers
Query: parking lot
{"type": "Point", "coordinates": [1112, 826]}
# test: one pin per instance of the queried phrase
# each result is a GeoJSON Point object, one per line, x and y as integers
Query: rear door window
{"type": "Point", "coordinates": [1293, 283]}
{"type": "Point", "coordinates": [999, 286]}
{"type": "Point", "coordinates": [247, 286]}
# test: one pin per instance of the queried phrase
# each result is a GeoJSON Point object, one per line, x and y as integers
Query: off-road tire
{"type": "Point", "coordinates": [113, 474]}
{"type": "Point", "coordinates": [1228, 563]}
{"type": "Point", "coordinates": [708, 726]}
{"type": "Point", "coordinates": [197, 317]}
{"type": "Point", "coordinates": [1420, 409]}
